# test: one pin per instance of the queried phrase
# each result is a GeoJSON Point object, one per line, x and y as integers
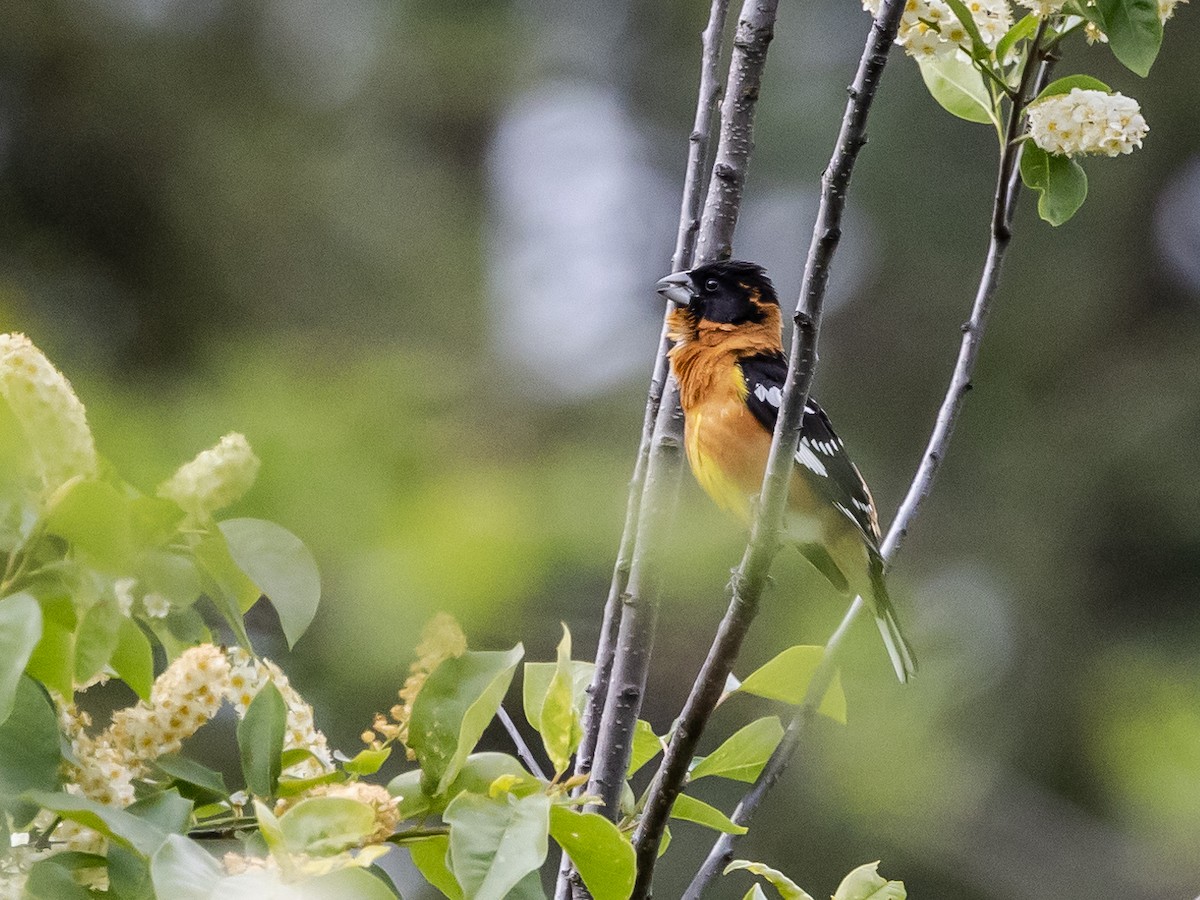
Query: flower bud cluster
{"type": "Point", "coordinates": [216, 478]}
{"type": "Point", "coordinates": [49, 413]}
{"type": "Point", "coordinates": [1087, 121]}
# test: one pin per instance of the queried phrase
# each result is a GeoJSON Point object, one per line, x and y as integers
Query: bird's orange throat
{"type": "Point", "coordinates": [705, 355]}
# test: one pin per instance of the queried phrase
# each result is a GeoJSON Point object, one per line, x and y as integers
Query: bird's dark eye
{"type": "Point", "coordinates": [711, 284]}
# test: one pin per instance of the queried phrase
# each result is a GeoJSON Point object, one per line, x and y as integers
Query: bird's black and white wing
{"type": "Point", "coordinates": [821, 452]}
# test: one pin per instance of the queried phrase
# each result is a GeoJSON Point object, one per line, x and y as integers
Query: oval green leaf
{"type": "Point", "coordinates": [602, 855]}
{"type": "Point", "coordinates": [431, 857]}
{"type": "Point", "coordinates": [29, 750]}
{"type": "Point", "coordinates": [865, 883]}
{"type": "Point", "coordinates": [646, 746]}
{"type": "Point", "coordinates": [181, 870]}
{"type": "Point", "coordinates": [133, 659]}
{"type": "Point", "coordinates": [787, 888]}
{"type": "Point", "coordinates": [20, 631]}
{"type": "Point", "coordinates": [1064, 86]}
{"type": "Point", "coordinates": [323, 826]}
{"type": "Point", "coordinates": [1134, 31]}
{"type": "Point", "coordinates": [281, 566]}
{"type": "Point", "coordinates": [118, 825]}
{"type": "Point", "coordinates": [496, 843]}
{"type": "Point", "coordinates": [786, 678]}
{"type": "Point", "coordinates": [958, 87]}
{"type": "Point", "coordinates": [1059, 180]}
{"type": "Point", "coordinates": [260, 740]}
{"type": "Point", "coordinates": [742, 756]}
{"type": "Point", "coordinates": [689, 809]}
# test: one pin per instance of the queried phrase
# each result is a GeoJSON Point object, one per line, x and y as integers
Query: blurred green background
{"type": "Point", "coordinates": [408, 247]}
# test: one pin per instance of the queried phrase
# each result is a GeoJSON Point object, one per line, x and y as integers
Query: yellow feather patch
{"type": "Point", "coordinates": [726, 493]}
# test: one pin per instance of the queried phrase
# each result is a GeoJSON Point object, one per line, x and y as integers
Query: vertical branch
{"type": "Point", "coordinates": [1008, 185]}
{"type": "Point", "coordinates": [685, 242]}
{"type": "Point", "coordinates": [635, 634]}
{"type": "Point", "coordinates": [750, 577]}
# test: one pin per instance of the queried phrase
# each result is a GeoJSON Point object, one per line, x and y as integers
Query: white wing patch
{"type": "Point", "coordinates": [807, 458]}
{"type": "Point", "coordinates": [772, 395]}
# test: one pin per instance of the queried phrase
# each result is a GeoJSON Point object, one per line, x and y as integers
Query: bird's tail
{"type": "Point", "coordinates": [885, 617]}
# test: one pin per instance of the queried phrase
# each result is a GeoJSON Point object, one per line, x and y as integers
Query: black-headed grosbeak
{"type": "Point", "coordinates": [728, 359]}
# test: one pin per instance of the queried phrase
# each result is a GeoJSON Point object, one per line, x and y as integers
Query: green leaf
{"type": "Point", "coordinates": [478, 773]}
{"type": "Point", "coordinates": [536, 683]}
{"type": "Point", "coordinates": [153, 520]}
{"type": "Point", "coordinates": [260, 739]}
{"type": "Point", "coordinates": [411, 800]}
{"type": "Point", "coordinates": [958, 87]}
{"type": "Point", "coordinates": [226, 584]}
{"type": "Point", "coordinates": [50, 881]}
{"type": "Point", "coordinates": [29, 750]}
{"type": "Point", "coordinates": [786, 678]}
{"type": "Point", "coordinates": [115, 824]}
{"type": "Point", "coordinates": [196, 781]}
{"type": "Point", "coordinates": [181, 870]}
{"type": "Point", "coordinates": [1064, 86]}
{"type": "Point", "coordinates": [20, 631]}
{"type": "Point", "coordinates": [53, 659]}
{"type": "Point", "coordinates": [1024, 29]}
{"type": "Point", "coordinates": [133, 659]}
{"type": "Point", "coordinates": [367, 762]}
{"type": "Point", "coordinates": [1060, 180]}
{"type": "Point", "coordinates": [173, 575]}
{"type": "Point", "coordinates": [558, 721]}
{"type": "Point", "coordinates": [646, 746]}
{"type": "Point", "coordinates": [431, 857]}
{"type": "Point", "coordinates": [290, 787]}
{"type": "Point", "coordinates": [495, 843]}
{"type": "Point", "coordinates": [865, 883]}
{"type": "Point", "coordinates": [689, 809]}
{"type": "Point", "coordinates": [602, 855]}
{"type": "Point", "coordinates": [341, 884]}
{"type": "Point", "coordinates": [787, 888]}
{"type": "Point", "coordinates": [94, 517]}
{"type": "Point", "coordinates": [323, 826]}
{"type": "Point", "coordinates": [96, 638]}
{"type": "Point", "coordinates": [281, 566]}
{"type": "Point", "coordinates": [166, 809]}
{"type": "Point", "coordinates": [455, 705]}
{"type": "Point", "coordinates": [1134, 31]}
{"type": "Point", "coordinates": [744, 754]}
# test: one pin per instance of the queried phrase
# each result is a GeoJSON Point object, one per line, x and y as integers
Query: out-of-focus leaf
{"type": "Point", "coordinates": [133, 659]}
{"type": "Point", "coordinates": [29, 750]}
{"type": "Point", "coordinates": [50, 881]}
{"type": "Point", "coordinates": [744, 753]}
{"type": "Point", "coordinates": [787, 888]}
{"type": "Point", "coordinates": [865, 883]}
{"type": "Point", "coordinates": [646, 746]}
{"type": "Point", "coordinates": [201, 781]}
{"type": "Point", "coordinates": [1059, 180]}
{"type": "Point", "coordinates": [20, 631]}
{"type": "Point", "coordinates": [495, 843]}
{"type": "Point", "coordinates": [367, 762]}
{"type": "Point", "coordinates": [225, 583]}
{"type": "Point", "coordinates": [689, 809]}
{"type": "Point", "coordinates": [96, 638]}
{"type": "Point", "coordinates": [173, 575]}
{"type": "Point", "coordinates": [558, 720]}
{"type": "Point", "coordinates": [260, 739]}
{"type": "Point", "coordinates": [181, 870]}
{"type": "Point", "coordinates": [958, 87]}
{"type": "Point", "coordinates": [281, 566]}
{"type": "Point", "coordinates": [344, 884]}
{"type": "Point", "coordinates": [166, 809]}
{"type": "Point", "coordinates": [53, 659]}
{"type": "Point", "coordinates": [536, 682]}
{"type": "Point", "coordinates": [755, 893]}
{"type": "Point", "coordinates": [602, 855]}
{"type": "Point", "coordinates": [321, 826]}
{"type": "Point", "coordinates": [431, 857]}
{"type": "Point", "coordinates": [1134, 31]}
{"type": "Point", "coordinates": [786, 678]}
{"type": "Point", "coordinates": [455, 705]}
{"type": "Point", "coordinates": [95, 518]}
{"type": "Point", "coordinates": [115, 824]}
{"type": "Point", "coordinates": [153, 520]}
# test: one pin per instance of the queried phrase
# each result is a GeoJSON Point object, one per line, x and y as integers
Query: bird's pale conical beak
{"type": "Point", "coordinates": [677, 287]}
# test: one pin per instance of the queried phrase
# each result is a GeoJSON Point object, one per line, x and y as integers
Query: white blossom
{"type": "Point", "coordinates": [1043, 8]}
{"type": "Point", "coordinates": [1087, 121]}
{"type": "Point", "coordinates": [50, 415]}
{"type": "Point", "coordinates": [156, 605]}
{"type": "Point", "coordinates": [123, 591]}
{"type": "Point", "coordinates": [216, 478]}
{"type": "Point", "coordinates": [1166, 9]}
{"type": "Point", "coordinates": [930, 28]}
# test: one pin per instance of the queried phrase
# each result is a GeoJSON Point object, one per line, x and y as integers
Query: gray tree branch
{"type": "Point", "coordinates": [1008, 184]}
{"type": "Point", "coordinates": [750, 577]}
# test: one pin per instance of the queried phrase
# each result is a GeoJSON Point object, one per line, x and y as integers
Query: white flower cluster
{"type": "Point", "coordinates": [1166, 9]}
{"type": "Point", "coordinates": [1087, 121]}
{"type": "Point", "coordinates": [51, 416]}
{"type": "Point", "coordinates": [247, 677]}
{"type": "Point", "coordinates": [930, 28]}
{"type": "Point", "coordinates": [215, 478]}
{"type": "Point", "coordinates": [1043, 8]}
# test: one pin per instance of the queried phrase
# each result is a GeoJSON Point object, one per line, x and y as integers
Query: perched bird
{"type": "Point", "coordinates": [728, 359]}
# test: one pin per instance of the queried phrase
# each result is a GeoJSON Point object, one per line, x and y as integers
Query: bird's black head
{"type": "Point", "coordinates": [731, 292]}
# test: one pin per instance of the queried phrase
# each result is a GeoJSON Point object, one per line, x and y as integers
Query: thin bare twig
{"type": "Point", "coordinates": [635, 635]}
{"type": "Point", "coordinates": [523, 750]}
{"type": "Point", "coordinates": [1008, 184]}
{"type": "Point", "coordinates": [750, 577]}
